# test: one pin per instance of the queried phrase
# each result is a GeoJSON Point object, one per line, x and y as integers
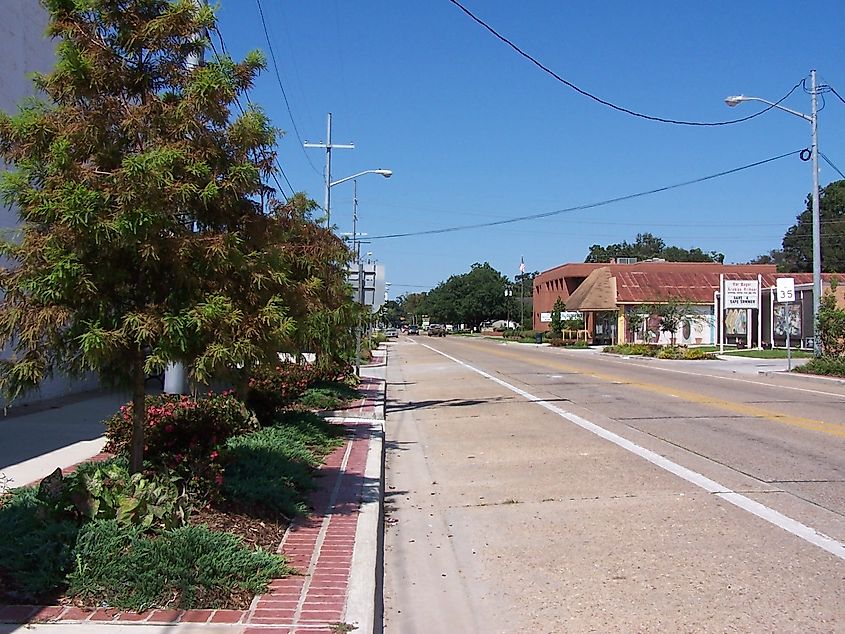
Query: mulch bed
{"type": "Point", "coordinates": [258, 529]}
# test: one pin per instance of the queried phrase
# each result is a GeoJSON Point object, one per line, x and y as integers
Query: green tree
{"type": "Point", "coordinates": [775, 256]}
{"type": "Point", "coordinates": [411, 306]}
{"type": "Point", "coordinates": [672, 314]}
{"type": "Point", "coordinates": [798, 241]}
{"type": "Point", "coordinates": [557, 318]}
{"type": "Point", "coordinates": [147, 233]}
{"type": "Point", "coordinates": [831, 322]}
{"type": "Point", "coordinates": [648, 246]}
{"type": "Point", "coordinates": [470, 298]}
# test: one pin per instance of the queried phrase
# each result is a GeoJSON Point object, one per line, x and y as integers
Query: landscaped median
{"type": "Point", "coordinates": [661, 352]}
{"type": "Point", "coordinates": [198, 528]}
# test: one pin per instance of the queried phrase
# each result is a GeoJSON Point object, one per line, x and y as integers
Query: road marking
{"type": "Point", "coordinates": [751, 411]}
{"type": "Point", "coordinates": [726, 378]}
{"type": "Point", "coordinates": [807, 533]}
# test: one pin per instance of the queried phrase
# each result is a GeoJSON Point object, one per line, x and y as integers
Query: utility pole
{"type": "Point", "coordinates": [327, 195]}
{"type": "Point", "coordinates": [356, 249]}
{"type": "Point", "coordinates": [174, 372]}
{"type": "Point", "coordinates": [817, 238]}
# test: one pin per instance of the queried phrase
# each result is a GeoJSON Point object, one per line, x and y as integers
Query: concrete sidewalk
{"type": "Point", "coordinates": [337, 549]}
{"type": "Point", "coordinates": [34, 440]}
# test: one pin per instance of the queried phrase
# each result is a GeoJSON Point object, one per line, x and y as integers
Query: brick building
{"type": "Point", "coordinates": [607, 293]}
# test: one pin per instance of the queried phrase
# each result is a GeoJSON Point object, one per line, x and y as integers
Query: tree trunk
{"type": "Point", "coordinates": [139, 412]}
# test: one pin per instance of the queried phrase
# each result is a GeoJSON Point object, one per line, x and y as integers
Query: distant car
{"type": "Point", "coordinates": [391, 332]}
{"type": "Point", "coordinates": [436, 330]}
{"type": "Point", "coordinates": [413, 330]}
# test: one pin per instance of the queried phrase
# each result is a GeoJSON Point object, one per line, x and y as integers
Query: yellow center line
{"type": "Point", "coordinates": [751, 411]}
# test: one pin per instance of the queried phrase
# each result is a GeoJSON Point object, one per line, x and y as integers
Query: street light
{"type": "Point", "coordinates": [330, 184]}
{"type": "Point", "coordinates": [814, 152]}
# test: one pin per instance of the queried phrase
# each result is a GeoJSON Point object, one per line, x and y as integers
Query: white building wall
{"type": "Point", "coordinates": [24, 49]}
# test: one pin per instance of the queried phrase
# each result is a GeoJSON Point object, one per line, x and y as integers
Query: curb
{"type": "Point", "coordinates": [337, 548]}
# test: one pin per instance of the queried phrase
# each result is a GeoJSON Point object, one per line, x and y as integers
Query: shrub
{"type": "Point", "coordinates": [636, 349]}
{"type": "Point", "coordinates": [273, 467]}
{"type": "Point", "coordinates": [670, 352]}
{"type": "Point", "coordinates": [272, 388]}
{"type": "Point", "coordinates": [568, 343]}
{"type": "Point", "coordinates": [826, 366]}
{"type": "Point", "coordinates": [107, 491]}
{"type": "Point", "coordinates": [184, 435]}
{"type": "Point", "coordinates": [695, 354]}
{"type": "Point", "coordinates": [185, 568]}
{"type": "Point", "coordinates": [35, 554]}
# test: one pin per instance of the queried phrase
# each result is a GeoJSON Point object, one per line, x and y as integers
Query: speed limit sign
{"type": "Point", "coordinates": [786, 289]}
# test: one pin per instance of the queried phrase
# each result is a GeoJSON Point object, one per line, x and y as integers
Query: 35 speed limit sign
{"type": "Point", "coordinates": [786, 289]}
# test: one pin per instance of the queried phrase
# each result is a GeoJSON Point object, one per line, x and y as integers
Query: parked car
{"type": "Point", "coordinates": [413, 330]}
{"type": "Point", "coordinates": [436, 330]}
{"type": "Point", "coordinates": [391, 332]}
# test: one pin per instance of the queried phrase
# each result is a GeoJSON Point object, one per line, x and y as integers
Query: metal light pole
{"type": "Point", "coordinates": [356, 247]}
{"type": "Point", "coordinates": [814, 152]}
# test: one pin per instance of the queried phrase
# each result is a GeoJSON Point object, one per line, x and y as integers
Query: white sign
{"type": "Point", "coordinates": [565, 315]}
{"type": "Point", "coordinates": [741, 294]}
{"type": "Point", "coordinates": [786, 289]}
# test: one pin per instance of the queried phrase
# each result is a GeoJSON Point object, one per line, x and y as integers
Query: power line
{"type": "Point", "coordinates": [241, 108]}
{"type": "Point", "coordinates": [831, 88]}
{"type": "Point", "coordinates": [604, 102]}
{"type": "Point", "coordinates": [828, 161]}
{"type": "Point", "coordinates": [281, 85]}
{"type": "Point", "coordinates": [602, 203]}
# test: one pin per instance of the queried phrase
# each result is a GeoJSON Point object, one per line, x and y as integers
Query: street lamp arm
{"type": "Point", "coordinates": [385, 173]}
{"type": "Point", "coordinates": [738, 99]}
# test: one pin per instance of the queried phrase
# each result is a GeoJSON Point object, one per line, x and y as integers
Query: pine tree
{"type": "Point", "coordinates": [147, 234]}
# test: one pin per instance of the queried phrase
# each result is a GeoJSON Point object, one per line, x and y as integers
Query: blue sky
{"type": "Point", "coordinates": [475, 133]}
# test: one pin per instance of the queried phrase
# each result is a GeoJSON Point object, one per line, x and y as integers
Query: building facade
{"type": "Point", "coordinates": [614, 300]}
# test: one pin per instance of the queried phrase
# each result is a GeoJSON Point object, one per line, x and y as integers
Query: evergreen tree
{"type": "Point", "coordinates": [147, 235]}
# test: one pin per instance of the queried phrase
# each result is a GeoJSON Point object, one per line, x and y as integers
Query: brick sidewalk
{"type": "Point", "coordinates": [320, 547]}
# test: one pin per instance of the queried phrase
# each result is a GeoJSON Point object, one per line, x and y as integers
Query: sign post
{"type": "Point", "coordinates": [743, 294]}
{"type": "Point", "coordinates": [786, 295]}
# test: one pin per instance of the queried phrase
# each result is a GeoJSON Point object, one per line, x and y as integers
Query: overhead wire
{"type": "Point", "coordinates": [242, 111]}
{"type": "Point", "coordinates": [828, 161]}
{"type": "Point", "coordinates": [600, 100]}
{"type": "Point", "coordinates": [833, 90]}
{"type": "Point", "coordinates": [281, 85]}
{"type": "Point", "coordinates": [602, 203]}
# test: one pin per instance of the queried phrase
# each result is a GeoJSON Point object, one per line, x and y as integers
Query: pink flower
{"type": "Point", "coordinates": [214, 455]}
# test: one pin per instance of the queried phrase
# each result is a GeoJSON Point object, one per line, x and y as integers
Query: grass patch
{"type": "Point", "coordinates": [773, 353]}
{"type": "Point", "coordinates": [185, 568]}
{"type": "Point", "coordinates": [273, 467]}
{"type": "Point", "coordinates": [35, 554]}
{"type": "Point", "coordinates": [328, 395]}
{"type": "Point", "coordinates": [825, 366]}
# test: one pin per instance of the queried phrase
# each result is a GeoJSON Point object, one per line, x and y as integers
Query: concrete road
{"type": "Point", "coordinates": [531, 489]}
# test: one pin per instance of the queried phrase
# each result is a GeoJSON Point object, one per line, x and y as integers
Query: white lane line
{"type": "Point", "coordinates": [726, 378]}
{"type": "Point", "coordinates": [807, 533]}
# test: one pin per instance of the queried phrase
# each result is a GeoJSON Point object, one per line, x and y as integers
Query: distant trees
{"type": "Point", "coordinates": [798, 241]}
{"type": "Point", "coordinates": [648, 246]}
{"type": "Point", "coordinates": [470, 298]}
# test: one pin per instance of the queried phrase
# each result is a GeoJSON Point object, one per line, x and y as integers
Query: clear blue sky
{"type": "Point", "coordinates": [475, 133]}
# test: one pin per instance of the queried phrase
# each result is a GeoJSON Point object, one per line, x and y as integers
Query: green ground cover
{"type": "Point", "coordinates": [104, 537]}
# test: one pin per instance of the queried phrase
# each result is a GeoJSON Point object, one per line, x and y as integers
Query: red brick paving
{"type": "Point", "coordinates": [320, 546]}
